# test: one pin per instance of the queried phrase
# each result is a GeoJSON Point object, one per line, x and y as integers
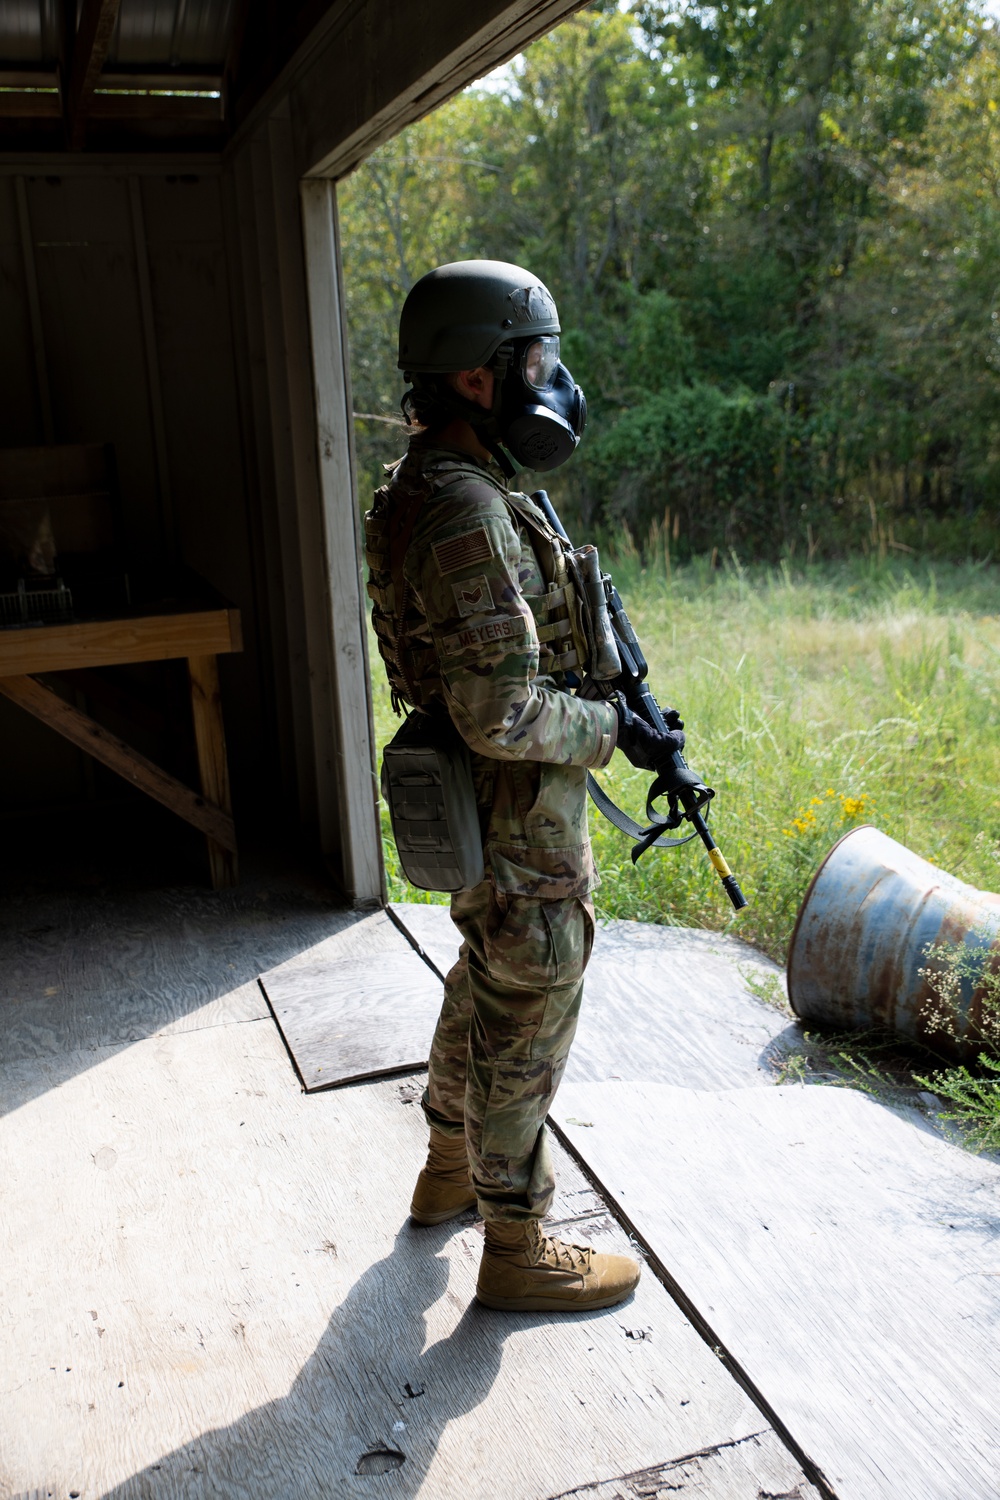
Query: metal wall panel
{"type": "Point", "coordinates": [20, 412]}
{"type": "Point", "coordinates": [186, 254]}
{"type": "Point", "coordinates": [93, 331]}
{"type": "Point", "coordinates": [137, 341]}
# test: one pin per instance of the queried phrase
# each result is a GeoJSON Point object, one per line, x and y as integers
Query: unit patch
{"type": "Point", "coordinates": [462, 551]}
{"type": "Point", "coordinates": [500, 628]}
{"type": "Point", "coordinates": [473, 596]}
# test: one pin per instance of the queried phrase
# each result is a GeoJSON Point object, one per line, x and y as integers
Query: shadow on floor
{"type": "Point", "coordinates": [109, 931]}
{"type": "Point", "coordinates": [370, 1398]}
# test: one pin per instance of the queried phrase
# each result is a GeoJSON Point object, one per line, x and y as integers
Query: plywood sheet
{"type": "Point", "coordinates": [756, 1466]}
{"type": "Point", "coordinates": [81, 970]}
{"type": "Point", "coordinates": [234, 1303]}
{"type": "Point", "coordinates": [431, 931]}
{"type": "Point", "coordinates": [661, 1004]}
{"type": "Point", "coordinates": [843, 1254]}
{"type": "Point", "coordinates": [359, 1004]}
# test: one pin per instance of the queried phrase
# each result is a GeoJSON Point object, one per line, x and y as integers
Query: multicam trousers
{"type": "Point", "coordinates": [507, 1023]}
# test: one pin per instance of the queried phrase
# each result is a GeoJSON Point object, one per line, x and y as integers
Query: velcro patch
{"type": "Point", "coordinates": [462, 551]}
{"type": "Point", "coordinates": [473, 596]}
{"type": "Point", "coordinates": [500, 628]}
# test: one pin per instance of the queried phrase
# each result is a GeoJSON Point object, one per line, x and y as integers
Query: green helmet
{"type": "Point", "coordinates": [456, 317]}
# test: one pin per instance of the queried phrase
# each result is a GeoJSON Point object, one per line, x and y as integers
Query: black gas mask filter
{"type": "Point", "coordinates": [539, 410]}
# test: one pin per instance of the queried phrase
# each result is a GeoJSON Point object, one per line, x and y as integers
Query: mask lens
{"type": "Point", "coordinates": [540, 362]}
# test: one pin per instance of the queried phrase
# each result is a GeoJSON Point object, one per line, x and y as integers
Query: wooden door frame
{"type": "Point", "coordinates": [350, 678]}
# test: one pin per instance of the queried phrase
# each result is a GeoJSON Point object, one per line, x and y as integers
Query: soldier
{"type": "Point", "coordinates": [469, 588]}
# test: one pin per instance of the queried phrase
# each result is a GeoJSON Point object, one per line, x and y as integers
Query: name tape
{"type": "Point", "coordinates": [501, 628]}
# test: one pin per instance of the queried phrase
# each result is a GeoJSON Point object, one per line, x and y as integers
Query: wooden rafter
{"type": "Point", "coordinates": [237, 36]}
{"type": "Point", "coordinates": [27, 94]}
{"type": "Point", "coordinates": [90, 48]}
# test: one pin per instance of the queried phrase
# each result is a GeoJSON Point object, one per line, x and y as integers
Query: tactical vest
{"type": "Point", "coordinates": [404, 639]}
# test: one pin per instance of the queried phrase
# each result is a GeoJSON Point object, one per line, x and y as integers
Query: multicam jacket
{"type": "Point", "coordinates": [483, 626]}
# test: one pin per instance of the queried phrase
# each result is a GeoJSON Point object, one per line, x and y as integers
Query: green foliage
{"type": "Point", "coordinates": [875, 681]}
{"type": "Point", "coordinates": [766, 985]}
{"type": "Point", "coordinates": [773, 230]}
{"type": "Point", "coordinates": [955, 972]}
{"type": "Point", "coordinates": [816, 698]}
{"type": "Point", "coordinates": [875, 1061]}
{"type": "Point", "coordinates": [974, 1100]}
{"type": "Point", "coordinates": [719, 449]}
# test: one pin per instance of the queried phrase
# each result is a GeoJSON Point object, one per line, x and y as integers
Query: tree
{"type": "Point", "coordinates": [771, 229]}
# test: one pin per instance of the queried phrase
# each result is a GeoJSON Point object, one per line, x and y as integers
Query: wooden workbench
{"type": "Point", "coordinates": [159, 634]}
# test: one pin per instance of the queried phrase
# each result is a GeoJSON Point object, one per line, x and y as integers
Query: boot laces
{"type": "Point", "coordinates": [563, 1255]}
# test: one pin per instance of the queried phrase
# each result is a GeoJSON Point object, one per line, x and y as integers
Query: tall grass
{"type": "Point", "coordinates": [815, 698]}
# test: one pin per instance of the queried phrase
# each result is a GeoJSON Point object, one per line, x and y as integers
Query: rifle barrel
{"type": "Point", "coordinates": [541, 498]}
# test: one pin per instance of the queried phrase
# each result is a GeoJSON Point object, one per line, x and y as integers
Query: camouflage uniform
{"type": "Point", "coordinates": [483, 625]}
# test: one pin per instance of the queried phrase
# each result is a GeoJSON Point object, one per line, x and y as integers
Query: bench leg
{"type": "Point", "coordinates": [213, 767]}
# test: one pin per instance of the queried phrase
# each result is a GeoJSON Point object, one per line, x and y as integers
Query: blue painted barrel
{"type": "Point", "coordinates": [862, 934]}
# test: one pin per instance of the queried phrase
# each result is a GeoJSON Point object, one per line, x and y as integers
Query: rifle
{"type": "Point", "coordinates": [687, 795]}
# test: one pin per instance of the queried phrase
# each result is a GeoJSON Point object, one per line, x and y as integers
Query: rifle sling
{"type": "Point", "coordinates": [625, 824]}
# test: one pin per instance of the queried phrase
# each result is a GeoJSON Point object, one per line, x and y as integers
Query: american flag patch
{"type": "Point", "coordinates": [461, 551]}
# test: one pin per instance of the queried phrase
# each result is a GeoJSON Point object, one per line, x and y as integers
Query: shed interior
{"type": "Point", "coordinates": [170, 296]}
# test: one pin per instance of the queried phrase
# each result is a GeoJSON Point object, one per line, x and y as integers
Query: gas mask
{"type": "Point", "coordinates": [542, 411]}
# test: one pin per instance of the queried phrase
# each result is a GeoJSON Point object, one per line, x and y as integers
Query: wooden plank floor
{"type": "Point", "coordinates": [844, 1254]}
{"type": "Point", "coordinates": [211, 1288]}
{"type": "Point", "coordinates": [359, 1004]}
{"type": "Point", "coordinates": [661, 1004]}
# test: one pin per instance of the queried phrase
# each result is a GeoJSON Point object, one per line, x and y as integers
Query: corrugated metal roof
{"type": "Point", "coordinates": [29, 31]}
{"type": "Point", "coordinates": [149, 34]}
{"type": "Point", "coordinates": [171, 33]}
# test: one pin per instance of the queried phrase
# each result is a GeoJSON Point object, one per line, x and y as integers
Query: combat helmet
{"type": "Point", "coordinates": [457, 316]}
{"type": "Point", "coordinates": [475, 313]}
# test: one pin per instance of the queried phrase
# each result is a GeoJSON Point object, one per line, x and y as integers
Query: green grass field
{"type": "Point", "coordinates": [814, 699]}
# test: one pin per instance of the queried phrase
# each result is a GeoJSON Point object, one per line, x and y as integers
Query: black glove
{"type": "Point", "coordinates": [643, 745]}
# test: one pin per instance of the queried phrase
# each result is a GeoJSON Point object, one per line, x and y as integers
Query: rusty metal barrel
{"type": "Point", "coordinates": [861, 940]}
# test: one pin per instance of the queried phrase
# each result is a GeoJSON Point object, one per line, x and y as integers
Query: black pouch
{"type": "Point", "coordinates": [427, 785]}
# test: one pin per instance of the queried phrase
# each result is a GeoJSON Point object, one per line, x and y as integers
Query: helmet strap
{"type": "Point", "coordinates": [490, 429]}
{"type": "Point", "coordinates": [503, 459]}
{"type": "Point", "coordinates": [446, 403]}
{"type": "Point", "coordinates": [486, 423]}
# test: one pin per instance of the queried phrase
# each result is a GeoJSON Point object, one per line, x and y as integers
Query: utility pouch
{"type": "Point", "coordinates": [427, 785]}
{"type": "Point", "coordinates": [603, 661]}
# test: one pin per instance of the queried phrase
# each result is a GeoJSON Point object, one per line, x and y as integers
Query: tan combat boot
{"type": "Point", "coordinates": [524, 1271]}
{"type": "Point", "coordinates": [444, 1188]}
